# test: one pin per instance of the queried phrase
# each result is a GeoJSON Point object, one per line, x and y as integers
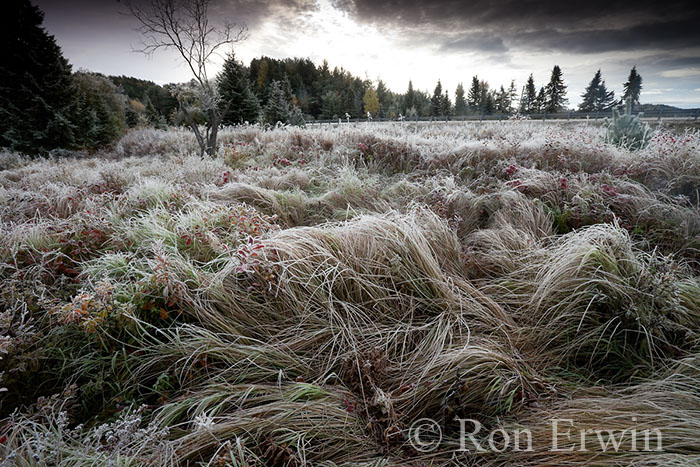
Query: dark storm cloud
{"type": "Point", "coordinates": [107, 14]}
{"type": "Point", "coordinates": [579, 27]}
{"type": "Point", "coordinates": [671, 35]}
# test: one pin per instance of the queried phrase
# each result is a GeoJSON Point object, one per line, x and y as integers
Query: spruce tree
{"type": "Point", "coordinates": [153, 117]}
{"type": "Point", "coordinates": [436, 100]}
{"type": "Point", "coordinates": [605, 100]}
{"type": "Point", "coordinates": [474, 97]}
{"type": "Point", "coordinates": [99, 113]}
{"type": "Point", "coordinates": [445, 105]}
{"type": "Point", "coordinates": [512, 96]}
{"type": "Point", "coordinates": [277, 108]}
{"type": "Point", "coordinates": [555, 92]}
{"type": "Point", "coordinates": [383, 98]}
{"type": "Point", "coordinates": [410, 99]}
{"type": "Point", "coordinates": [36, 90]}
{"type": "Point", "coordinates": [540, 101]}
{"type": "Point", "coordinates": [502, 102]}
{"type": "Point", "coordinates": [487, 100]}
{"type": "Point", "coordinates": [590, 94]}
{"type": "Point", "coordinates": [460, 101]}
{"type": "Point", "coordinates": [529, 103]}
{"type": "Point", "coordinates": [238, 104]}
{"type": "Point", "coordinates": [596, 96]}
{"type": "Point", "coordinates": [633, 87]}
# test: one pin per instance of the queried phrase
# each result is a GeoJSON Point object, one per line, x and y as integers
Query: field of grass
{"type": "Point", "coordinates": [310, 294]}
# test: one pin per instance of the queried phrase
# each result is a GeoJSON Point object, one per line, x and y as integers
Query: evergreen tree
{"type": "Point", "coordinates": [446, 105]}
{"type": "Point", "coordinates": [605, 100]}
{"type": "Point", "coordinates": [590, 94]}
{"type": "Point", "coordinates": [633, 87]}
{"type": "Point", "coordinates": [384, 97]}
{"type": "Point", "coordinates": [99, 113]}
{"type": "Point", "coordinates": [555, 92]}
{"type": "Point", "coordinates": [296, 117]}
{"type": "Point", "coordinates": [540, 101]}
{"type": "Point", "coordinates": [501, 101]}
{"type": "Point", "coordinates": [288, 90]}
{"type": "Point", "coordinates": [596, 97]}
{"type": "Point", "coordinates": [460, 101]}
{"type": "Point", "coordinates": [474, 97]}
{"type": "Point", "coordinates": [238, 104]}
{"type": "Point", "coordinates": [529, 103]}
{"type": "Point", "coordinates": [277, 108]}
{"type": "Point", "coordinates": [436, 100]}
{"type": "Point", "coordinates": [487, 101]}
{"type": "Point", "coordinates": [410, 99]}
{"type": "Point", "coordinates": [36, 90]}
{"type": "Point", "coordinates": [512, 96]}
{"type": "Point", "coordinates": [153, 117]}
{"type": "Point", "coordinates": [331, 105]}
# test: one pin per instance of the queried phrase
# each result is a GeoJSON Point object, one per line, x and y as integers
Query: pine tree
{"type": "Point", "coordinates": [529, 103]}
{"type": "Point", "coordinates": [460, 101]}
{"type": "Point", "coordinates": [331, 105]}
{"type": "Point", "coordinates": [596, 96]}
{"type": "Point", "coordinates": [445, 105]}
{"type": "Point", "coordinates": [409, 99]}
{"type": "Point", "coordinates": [502, 102]}
{"type": "Point", "coordinates": [555, 92]}
{"type": "Point", "coordinates": [540, 101]}
{"type": "Point", "coordinates": [153, 117]}
{"type": "Point", "coordinates": [238, 104]}
{"type": "Point", "coordinates": [487, 101]}
{"type": "Point", "coordinates": [512, 97]}
{"type": "Point", "coordinates": [605, 100]}
{"type": "Point", "coordinates": [474, 97]}
{"type": "Point", "coordinates": [436, 100]}
{"type": "Point", "coordinates": [633, 87]}
{"type": "Point", "coordinates": [277, 107]}
{"type": "Point", "coordinates": [383, 95]}
{"type": "Point", "coordinates": [99, 112]}
{"type": "Point", "coordinates": [590, 94]}
{"type": "Point", "coordinates": [288, 90]}
{"type": "Point", "coordinates": [36, 90]}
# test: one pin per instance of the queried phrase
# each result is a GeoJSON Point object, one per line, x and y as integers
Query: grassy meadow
{"type": "Point", "coordinates": [309, 294]}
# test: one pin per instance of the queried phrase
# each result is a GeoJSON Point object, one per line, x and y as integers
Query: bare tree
{"type": "Point", "coordinates": [184, 25]}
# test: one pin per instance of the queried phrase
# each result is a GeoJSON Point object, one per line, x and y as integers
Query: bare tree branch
{"type": "Point", "coordinates": [183, 25]}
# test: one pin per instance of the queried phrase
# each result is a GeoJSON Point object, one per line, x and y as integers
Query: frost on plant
{"type": "Point", "coordinates": [627, 130]}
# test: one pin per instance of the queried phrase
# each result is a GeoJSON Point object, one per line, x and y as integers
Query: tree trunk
{"type": "Point", "coordinates": [195, 129]}
{"type": "Point", "coordinates": [212, 136]}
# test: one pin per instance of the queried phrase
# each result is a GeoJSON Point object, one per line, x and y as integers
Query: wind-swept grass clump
{"type": "Point", "coordinates": [653, 423]}
{"type": "Point", "coordinates": [595, 301]}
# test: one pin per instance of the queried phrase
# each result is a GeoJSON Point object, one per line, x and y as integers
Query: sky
{"type": "Point", "coordinates": [422, 41]}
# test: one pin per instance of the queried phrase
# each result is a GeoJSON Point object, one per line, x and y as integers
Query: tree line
{"type": "Point", "coordinates": [295, 90]}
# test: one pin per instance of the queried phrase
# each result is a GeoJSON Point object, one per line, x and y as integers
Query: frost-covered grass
{"type": "Point", "coordinates": [309, 294]}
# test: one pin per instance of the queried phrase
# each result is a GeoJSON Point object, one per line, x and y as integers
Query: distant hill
{"type": "Point", "coordinates": [661, 107]}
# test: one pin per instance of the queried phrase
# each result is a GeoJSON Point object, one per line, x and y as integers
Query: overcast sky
{"type": "Point", "coordinates": [424, 40]}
